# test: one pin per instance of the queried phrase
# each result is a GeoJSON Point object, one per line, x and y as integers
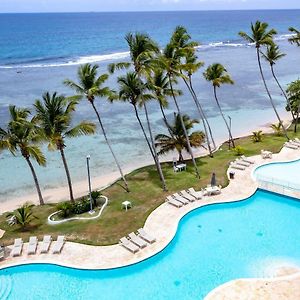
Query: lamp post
{"type": "Point", "coordinates": [229, 141]}
{"type": "Point", "coordinates": [89, 180]}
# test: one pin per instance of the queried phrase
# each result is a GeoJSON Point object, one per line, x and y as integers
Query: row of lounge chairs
{"type": "Point", "coordinates": [293, 144]}
{"type": "Point", "coordinates": [33, 244]}
{"type": "Point", "coordinates": [135, 242]}
{"type": "Point", "coordinates": [184, 197]}
{"type": "Point", "coordinates": [241, 163]}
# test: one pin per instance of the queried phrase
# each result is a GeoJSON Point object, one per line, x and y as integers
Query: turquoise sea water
{"type": "Point", "coordinates": [38, 51]}
{"type": "Point", "coordinates": [213, 245]}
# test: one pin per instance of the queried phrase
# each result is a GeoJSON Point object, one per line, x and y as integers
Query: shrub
{"type": "Point", "coordinates": [277, 128]}
{"type": "Point", "coordinates": [257, 136]}
{"type": "Point", "coordinates": [66, 209]}
{"type": "Point", "coordinates": [239, 150]}
{"type": "Point", "coordinates": [81, 206]}
{"type": "Point", "coordinates": [95, 196]}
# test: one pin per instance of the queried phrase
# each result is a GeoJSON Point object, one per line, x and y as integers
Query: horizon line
{"type": "Point", "coordinates": [148, 11]}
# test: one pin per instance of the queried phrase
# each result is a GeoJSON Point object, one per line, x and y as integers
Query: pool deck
{"type": "Point", "coordinates": [162, 223]}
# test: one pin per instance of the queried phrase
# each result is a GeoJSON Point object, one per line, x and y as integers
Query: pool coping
{"type": "Point", "coordinates": [165, 216]}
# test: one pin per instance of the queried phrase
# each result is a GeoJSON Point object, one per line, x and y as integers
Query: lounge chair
{"type": "Point", "coordinates": [46, 244]}
{"type": "Point", "coordinates": [145, 236]}
{"type": "Point", "coordinates": [58, 245]}
{"type": "Point", "coordinates": [296, 140]}
{"type": "Point", "coordinates": [197, 195]}
{"type": "Point", "coordinates": [187, 196]}
{"type": "Point", "coordinates": [32, 245]}
{"type": "Point", "coordinates": [17, 247]}
{"type": "Point", "coordinates": [246, 159]}
{"type": "Point", "coordinates": [129, 245]}
{"type": "Point", "coordinates": [236, 166]}
{"type": "Point", "coordinates": [241, 163]}
{"type": "Point", "coordinates": [290, 145]}
{"type": "Point", "coordinates": [137, 240]}
{"type": "Point", "coordinates": [179, 198]}
{"type": "Point", "coordinates": [173, 202]}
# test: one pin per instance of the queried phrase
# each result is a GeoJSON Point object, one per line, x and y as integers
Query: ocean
{"type": "Point", "coordinates": [38, 51]}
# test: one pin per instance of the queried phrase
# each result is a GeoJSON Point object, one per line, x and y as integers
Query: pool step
{"type": "Point", "coordinates": [5, 286]}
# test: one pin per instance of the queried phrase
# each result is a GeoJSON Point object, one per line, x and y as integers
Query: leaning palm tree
{"type": "Point", "coordinates": [272, 55]}
{"type": "Point", "coordinates": [176, 141]}
{"type": "Point", "coordinates": [261, 36]}
{"type": "Point", "coordinates": [133, 90]}
{"type": "Point", "coordinates": [54, 115]}
{"type": "Point", "coordinates": [23, 135]}
{"type": "Point", "coordinates": [295, 39]}
{"type": "Point", "coordinates": [217, 75]}
{"type": "Point", "coordinates": [90, 86]}
{"type": "Point", "coordinates": [169, 61]}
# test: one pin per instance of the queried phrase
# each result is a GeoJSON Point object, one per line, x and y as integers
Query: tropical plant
{"type": "Point", "coordinates": [54, 115]}
{"type": "Point", "coordinates": [189, 66]}
{"type": "Point", "coordinates": [218, 75]}
{"type": "Point", "coordinates": [65, 209]}
{"type": "Point", "coordinates": [81, 206]}
{"type": "Point", "coordinates": [260, 36]}
{"type": "Point", "coordinates": [90, 86]}
{"type": "Point", "coordinates": [272, 55]}
{"type": "Point", "coordinates": [277, 128]}
{"type": "Point", "coordinates": [293, 94]}
{"type": "Point", "coordinates": [24, 136]}
{"type": "Point", "coordinates": [95, 196]}
{"type": "Point", "coordinates": [170, 61]}
{"type": "Point", "coordinates": [177, 140]}
{"type": "Point", "coordinates": [257, 136]}
{"type": "Point", "coordinates": [238, 150]}
{"type": "Point", "coordinates": [23, 216]}
{"type": "Point", "coordinates": [295, 39]}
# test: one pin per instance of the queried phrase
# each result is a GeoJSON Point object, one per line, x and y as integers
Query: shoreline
{"type": "Point", "coordinates": [80, 188]}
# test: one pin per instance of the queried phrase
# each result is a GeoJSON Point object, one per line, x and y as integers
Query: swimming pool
{"type": "Point", "coordinates": [281, 173]}
{"type": "Point", "coordinates": [213, 245]}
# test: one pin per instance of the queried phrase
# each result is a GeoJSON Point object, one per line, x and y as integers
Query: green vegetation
{"type": "Point", "coordinates": [146, 194]}
{"type": "Point", "coordinates": [257, 136]}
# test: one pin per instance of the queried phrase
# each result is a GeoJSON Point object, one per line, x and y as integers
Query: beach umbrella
{"type": "Point", "coordinates": [213, 180]}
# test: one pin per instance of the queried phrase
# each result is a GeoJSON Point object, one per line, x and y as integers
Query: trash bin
{"type": "Point", "coordinates": [231, 175]}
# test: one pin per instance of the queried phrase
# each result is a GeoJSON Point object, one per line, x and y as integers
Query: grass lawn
{"type": "Point", "coordinates": [146, 194]}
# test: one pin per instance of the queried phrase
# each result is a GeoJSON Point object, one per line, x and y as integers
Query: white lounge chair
{"type": "Point", "coordinates": [58, 245]}
{"type": "Point", "coordinates": [32, 245]}
{"type": "Point", "coordinates": [237, 167]}
{"type": "Point", "coordinates": [17, 247]}
{"type": "Point", "coordinates": [290, 145]}
{"type": "Point", "coordinates": [137, 240]}
{"type": "Point", "coordinates": [173, 202]}
{"type": "Point", "coordinates": [187, 196]}
{"type": "Point", "coordinates": [197, 195]}
{"type": "Point", "coordinates": [179, 198]}
{"type": "Point", "coordinates": [129, 245]}
{"type": "Point", "coordinates": [46, 243]}
{"type": "Point", "coordinates": [145, 236]}
{"type": "Point", "coordinates": [246, 159]}
{"type": "Point", "coordinates": [241, 163]}
{"type": "Point", "coordinates": [296, 140]}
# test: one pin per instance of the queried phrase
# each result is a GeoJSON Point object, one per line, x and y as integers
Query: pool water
{"type": "Point", "coordinates": [281, 173]}
{"type": "Point", "coordinates": [213, 245]}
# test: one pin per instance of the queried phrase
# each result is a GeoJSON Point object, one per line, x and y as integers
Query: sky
{"type": "Point", "coordinates": [139, 5]}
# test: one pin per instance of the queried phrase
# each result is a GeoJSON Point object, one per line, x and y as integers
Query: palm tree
{"type": "Point", "coordinates": [177, 140]}
{"type": "Point", "coordinates": [272, 55]}
{"type": "Point", "coordinates": [277, 128]}
{"type": "Point", "coordinates": [54, 115]}
{"type": "Point", "coordinates": [169, 61]}
{"type": "Point", "coordinates": [257, 136]}
{"type": "Point", "coordinates": [217, 75]}
{"type": "Point", "coordinates": [296, 38]}
{"type": "Point", "coordinates": [90, 87]}
{"type": "Point", "coordinates": [293, 93]}
{"type": "Point", "coordinates": [23, 135]}
{"type": "Point", "coordinates": [23, 216]}
{"type": "Point", "coordinates": [261, 36]}
{"type": "Point", "coordinates": [133, 90]}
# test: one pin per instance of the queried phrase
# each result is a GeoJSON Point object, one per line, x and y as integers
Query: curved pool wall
{"type": "Point", "coordinates": [286, 174]}
{"type": "Point", "coordinates": [213, 245]}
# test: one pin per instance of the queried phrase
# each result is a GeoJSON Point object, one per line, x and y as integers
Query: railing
{"type": "Point", "coordinates": [265, 180]}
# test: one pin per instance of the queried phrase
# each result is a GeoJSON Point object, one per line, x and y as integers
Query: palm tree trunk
{"type": "Point", "coordinates": [268, 92]}
{"type": "Point", "coordinates": [221, 112]}
{"type": "Point", "coordinates": [165, 119]}
{"type": "Point", "coordinates": [62, 153]}
{"type": "Point", "coordinates": [161, 175]}
{"type": "Point", "coordinates": [184, 129]}
{"type": "Point", "coordinates": [283, 92]}
{"type": "Point", "coordinates": [297, 119]}
{"type": "Point", "coordinates": [201, 117]}
{"type": "Point", "coordinates": [110, 147]}
{"type": "Point", "coordinates": [204, 116]}
{"type": "Point", "coordinates": [36, 182]}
